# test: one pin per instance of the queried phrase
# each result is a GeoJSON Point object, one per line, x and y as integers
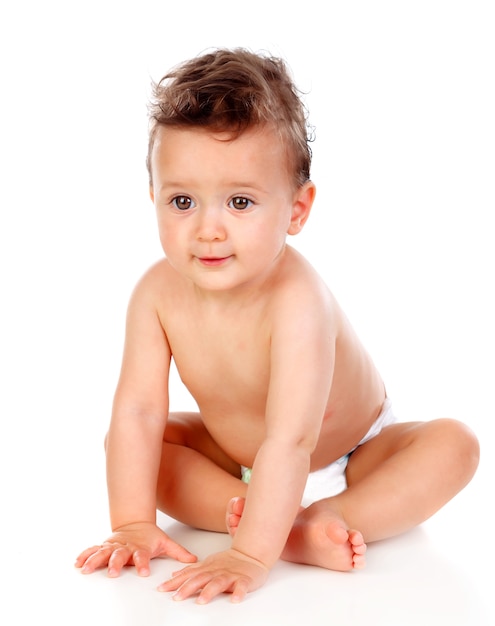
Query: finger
{"type": "Point", "coordinates": [84, 556]}
{"type": "Point", "coordinates": [241, 589]}
{"type": "Point", "coordinates": [179, 553]}
{"type": "Point", "coordinates": [178, 578]}
{"type": "Point", "coordinates": [97, 560]}
{"type": "Point", "coordinates": [141, 559]}
{"type": "Point", "coordinates": [119, 557]}
{"type": "Point", "coordinates": [221, 583]}
{"type": "Point", "coordinates": [192, 586]}
{"type": "Point", "coordinates": [188, 568]}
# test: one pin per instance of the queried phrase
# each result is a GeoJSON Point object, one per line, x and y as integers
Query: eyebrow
{"type": "Point", "coordinates": [232, 184]}
{"type": "Point", "coordinates": [171, 183]}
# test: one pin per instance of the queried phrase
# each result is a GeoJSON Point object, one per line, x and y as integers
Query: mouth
{"type": "Point", "coordinates": [213, 261]}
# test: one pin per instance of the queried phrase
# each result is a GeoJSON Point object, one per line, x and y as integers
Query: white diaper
{"type": "Point", "coordinates": [326, 482]}
{"type": "Point", "coordinates": [331, 480]}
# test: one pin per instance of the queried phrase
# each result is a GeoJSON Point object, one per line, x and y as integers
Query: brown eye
{"type": "Point", "coordinates": [239, 203]}
{"type": "Point", "coordinates": [182, 203]}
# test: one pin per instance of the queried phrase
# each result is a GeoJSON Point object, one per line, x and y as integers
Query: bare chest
{"type": "Point", "coordinates": [224, 366]}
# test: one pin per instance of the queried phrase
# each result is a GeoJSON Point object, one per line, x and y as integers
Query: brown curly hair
{"type": "Point", "coordinates": [233, 90]}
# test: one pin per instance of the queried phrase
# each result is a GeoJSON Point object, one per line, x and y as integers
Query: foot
{"type": "Point", "coordinates": [235, 509]}
{"type": "Point", "coordinates": [319, 537]}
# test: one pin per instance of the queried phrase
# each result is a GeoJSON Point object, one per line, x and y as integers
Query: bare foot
{"type": "Point", "coordinates": [234, 514]}
{"type": "Point", "coordinates": [319, 537]}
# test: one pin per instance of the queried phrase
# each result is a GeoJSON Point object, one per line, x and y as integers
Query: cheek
{"type": "Point", "coordinates": [267, 239]}
{"type": "Point", "coordinates": [272, 226]}
{"type": "Point", "coordinates": [168, 238]}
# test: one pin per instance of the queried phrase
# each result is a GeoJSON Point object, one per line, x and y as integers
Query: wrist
{"type": "Point", "coordinates": [132, 525]}
{"type": "Point", "coordinates": [249, 557]}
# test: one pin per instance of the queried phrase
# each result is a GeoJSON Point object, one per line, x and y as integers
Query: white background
{"type": "Point", "coordinates": [402, 98]}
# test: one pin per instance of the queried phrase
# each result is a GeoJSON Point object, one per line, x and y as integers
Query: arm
{"type": "Point", "coordinates": [302, 364]}
{"type": "Point", "coordinates": [139, 414]}
{"type": "Point", "coordinates": [134, 444]}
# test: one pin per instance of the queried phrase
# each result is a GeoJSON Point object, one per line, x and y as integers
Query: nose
{"type": "Point", "coordinates": [210, 226]}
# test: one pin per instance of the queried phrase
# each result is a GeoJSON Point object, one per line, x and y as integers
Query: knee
{"type": "Point", "coordinates": [461, 442]}
{"type": "Point", "coordinates": [181, 428]}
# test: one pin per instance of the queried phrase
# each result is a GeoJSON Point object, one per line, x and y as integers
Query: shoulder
{"type": "Point", "coordinates": [156, 279]}
{"type": "Point", "coordinates": [156, 286]}
{"type": "Point", "coordinates": [302, 284]}
{"type": "Point", "coordinates": [302, 296]}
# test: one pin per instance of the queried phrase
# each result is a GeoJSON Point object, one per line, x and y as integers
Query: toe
{"type": "Point", "coordinates": [233, 515]}
{"type": "Point", "coordinates": [337, 533]}
{"type": "Point", "coordinates": [236, 505]}
{"type": "Point", "coordinates": [359, 561]}
{"type": "Point", "coordinates": [356, 538]}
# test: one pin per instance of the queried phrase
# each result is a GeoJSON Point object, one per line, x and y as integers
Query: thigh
{"type": "Point", "coordinates": [188, 430]}
{"type": "Point", "coordinates": [443, 446]}
{"type": "Point", "coordinates": [388, 442]}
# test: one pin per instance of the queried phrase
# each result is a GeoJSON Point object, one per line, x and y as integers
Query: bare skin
{"type": "Point", "coordinates": [323, 534]}
{"type": "Point", "coordinates": [277, 372]}
{"type": "Point", "coordinates": [334, 547]}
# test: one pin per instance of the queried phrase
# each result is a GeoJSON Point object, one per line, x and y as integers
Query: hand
{"type": "Point", "coordinates": [133, 544]}
{"type": "Point", "coordinates": [225, 572]}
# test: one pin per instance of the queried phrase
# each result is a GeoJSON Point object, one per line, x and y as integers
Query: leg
{"type": "Point", "coordinates": [406, 474]}
{"type": "Point", "coordinates": [196, 478]}
{"type": "Point", "coordinates": [326, 543]}
{"type": "Point", "coordinates": [396, 480]}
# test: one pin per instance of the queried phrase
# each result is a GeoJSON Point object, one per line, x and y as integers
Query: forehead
{"type": "Point", "coordinates": [254, 149]}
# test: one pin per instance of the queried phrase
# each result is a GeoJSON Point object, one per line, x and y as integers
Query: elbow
{"type": "Point", "coordinates": [290, 448]}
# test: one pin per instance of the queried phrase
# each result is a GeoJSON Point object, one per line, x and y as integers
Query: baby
{"type": "Point", "coordinates": [286, 392]}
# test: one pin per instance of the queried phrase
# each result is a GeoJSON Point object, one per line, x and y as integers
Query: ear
{"type": "Point", "coordinates": [152, 194]}
{"type": "Point", "coordinates": [301, 208]}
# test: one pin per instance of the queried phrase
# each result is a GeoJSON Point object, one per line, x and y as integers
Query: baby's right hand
{"type": "Point", "coordinates": [133, 544]}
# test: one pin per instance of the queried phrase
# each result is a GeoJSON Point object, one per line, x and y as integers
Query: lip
{"type": "Point", "coordinates": [213, 261]}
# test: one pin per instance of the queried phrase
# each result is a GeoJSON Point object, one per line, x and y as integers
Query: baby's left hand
{"type": "Point", "coordinates": [224, 572]}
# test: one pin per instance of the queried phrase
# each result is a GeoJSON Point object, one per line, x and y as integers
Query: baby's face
{"type": "Point", "coordinates": [224, 206]}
